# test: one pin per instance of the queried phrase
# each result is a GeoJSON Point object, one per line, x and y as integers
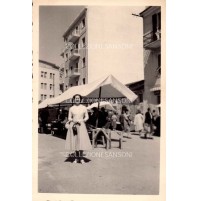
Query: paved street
{"type": "Point", "coordinates": [132, 170]}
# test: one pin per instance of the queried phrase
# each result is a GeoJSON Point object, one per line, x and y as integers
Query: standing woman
{"type": "Point", "coordinates": [77, 136]}
{"type": "Point", "coordinates": [125, 122]}
{"type": "Point", "coordinates": [139, 121]}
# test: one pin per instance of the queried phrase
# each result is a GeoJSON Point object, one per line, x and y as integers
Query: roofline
{"type": "Point", "coordinates": [148, 7]}
{"type": "Point", "coordinates": [134, 82]}
{"type": "Point", "coordinates": [75, 21]}
{"type": "Point", "coordinates": [49, 63]}
{"type": "Point", "coordinates": [152, 8]}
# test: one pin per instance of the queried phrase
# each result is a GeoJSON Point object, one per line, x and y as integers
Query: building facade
{"type": "Point", "coordinates": [152, 56]}
{"type": "Point", "coordinates": [49, 80]}
{"type": "Point", "coordinates": [97, 43]}
{"type": "Point", "coordinates": [74, 53]}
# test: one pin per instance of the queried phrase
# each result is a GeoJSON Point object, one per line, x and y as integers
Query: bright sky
{"type": "Point", "coordinates": [54, 21]}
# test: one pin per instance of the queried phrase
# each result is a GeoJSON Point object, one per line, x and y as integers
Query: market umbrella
{"type": "Point", "coordinates": [104, 104]}
{"type": "Point", "coordinates": [106, 87]}
{"type": "Point", "coordinates": [49, 102]}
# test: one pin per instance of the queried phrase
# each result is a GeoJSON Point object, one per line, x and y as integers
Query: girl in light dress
{"type": "Point", "coordinates": [77, 140]}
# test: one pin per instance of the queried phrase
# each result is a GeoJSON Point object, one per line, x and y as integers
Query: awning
{"type": "Point", "coordinates": [156, 86]}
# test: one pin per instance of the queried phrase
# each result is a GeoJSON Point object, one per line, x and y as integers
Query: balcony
{"type": "Point", "coordinates": [74, 36]}
{"type": "Point", "coordinates": [74, 73]}
{"type": "Point", "coordinates": [67, 46]}
{"type": "Point", "coordinates": [74, 54]}
{"type": "Point", "coordinates": [152, 40]}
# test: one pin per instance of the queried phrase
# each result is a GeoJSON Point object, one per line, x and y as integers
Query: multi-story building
{"type": "Point", "coordinates": [152, 56]}
{"type": "Point", "coordinates": [99, 42]}
{"type": "Point", "coordinates": [49, 80]}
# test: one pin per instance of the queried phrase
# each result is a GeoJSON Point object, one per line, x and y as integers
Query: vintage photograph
{"type": "Point", "coordinates": [99, 99]}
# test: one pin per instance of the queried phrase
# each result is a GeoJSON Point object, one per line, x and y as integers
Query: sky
{"type": "Point", "coordinates": [54, 21]}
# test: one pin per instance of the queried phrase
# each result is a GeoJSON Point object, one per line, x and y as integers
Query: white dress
{"type": "Point", "coordinates": [80, 141]}
{"type": "Point", "coordinates": [138, 122]}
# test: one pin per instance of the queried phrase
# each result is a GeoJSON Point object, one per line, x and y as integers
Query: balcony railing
{"type": "Point", "coordinates": [74, 36]}
{"type": "Point", "coordinates": [74, 72]}
{"type": "Point", "coordinates": [152, 40]}
{"type": "Point", "coordinates": [68, 45]}
{"type": "Point", "coordinates": [74, 54]}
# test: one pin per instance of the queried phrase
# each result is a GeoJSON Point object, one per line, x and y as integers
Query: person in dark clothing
{"type": "Point", "coordinates": [102, 119]}
{"type": "Point", "coordinates": [148, 122]}
{"type": "Point", "coordinates": [93, 117]}
{"type": "Point", "coordinates": [156, 123]}
{"type": "Point", "coordinates": [154, 116]}
{"type": "Point", "coordinates": [44, 119]}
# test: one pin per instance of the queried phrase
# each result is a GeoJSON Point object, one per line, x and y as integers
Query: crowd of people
{"type": "Point", "coordinates": [148, 123]}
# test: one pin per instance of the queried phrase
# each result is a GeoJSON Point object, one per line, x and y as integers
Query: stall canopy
{"type": "Point", "coordinates": [106, 87]}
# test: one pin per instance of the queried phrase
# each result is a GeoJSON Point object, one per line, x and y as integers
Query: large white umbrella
{"type": "Point", "coordinates": [106, 87]}
{"type": "Point", "coordinates": [104, 104]}
{"type": "Point", "coordinates": [48, 102]}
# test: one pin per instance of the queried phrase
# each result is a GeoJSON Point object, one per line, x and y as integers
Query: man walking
{"type": "Point", "coordinates": [148, 122]}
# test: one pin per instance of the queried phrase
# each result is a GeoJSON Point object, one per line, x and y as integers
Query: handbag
{"type": "Point", "coordinates": [74, 127]}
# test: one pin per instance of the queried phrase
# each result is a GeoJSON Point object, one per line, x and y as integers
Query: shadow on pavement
{"type": "Point", "coordinates": [71, 158]}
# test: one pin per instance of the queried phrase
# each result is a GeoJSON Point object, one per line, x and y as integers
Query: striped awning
{"type": "Point", "coordinates": [156, 86]}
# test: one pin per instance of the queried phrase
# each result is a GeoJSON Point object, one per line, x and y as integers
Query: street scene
{"type": "Point", "coordinates": [99, 106]}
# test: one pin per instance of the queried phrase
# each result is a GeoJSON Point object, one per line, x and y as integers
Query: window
{"type": "Point", "coordinates": [84, 81]}
{"type": "Point", "coordinates": [71, 68]}
{"type": "Point", "coordinates": [42, 74]}
{"type": "Point", "coordinates": [76, 45]}
{"type": "Point", "coordinates": [42, 85]}
{"type": "Point", "coordinates": [51, 75]}
{"type": "Point", "coordinates": [42, 96]}
{"type": "Point", "coordinates": [61, 87]}
{"type": "Point", "coordinates": [51, 87]}
{"type": "Point", "coordinates": [158, 99]}
{"type": "Point", "coordinates": [67, 57]}
{"type": "Point", "coordinates": [159, 21]}
{"type": "Point", "coordinates": [83, 23]}
{"type": "Point", "coordinates": [159, 65]}
{"type": "Point", "coordinates": [140, 98]}
{"type": "Point", "coordinates": [156, 25]}
{"type": "Point", "coordinates": [76, 65]}
{"type": "Point", "coordinates": [51, 96]}
{"type": "Point", "coordinates": [45, 85]}
{"type": "Point", "coordinates": [45, 96]}
{"type": "Point", "coordinates": [45, 74]}
{"type": "Point", "coordinates": [76, 82]}
{"type": "Point", "coordinates": [159, 60]}
{"type": "Point", "coordinates": [76, 29]}
{"type": "Point", "coordinates": [71, 85]}
{"type": "Point", "coordinates": [83, 62]}
{"type": "Point", "coordinates": [83, 42]}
